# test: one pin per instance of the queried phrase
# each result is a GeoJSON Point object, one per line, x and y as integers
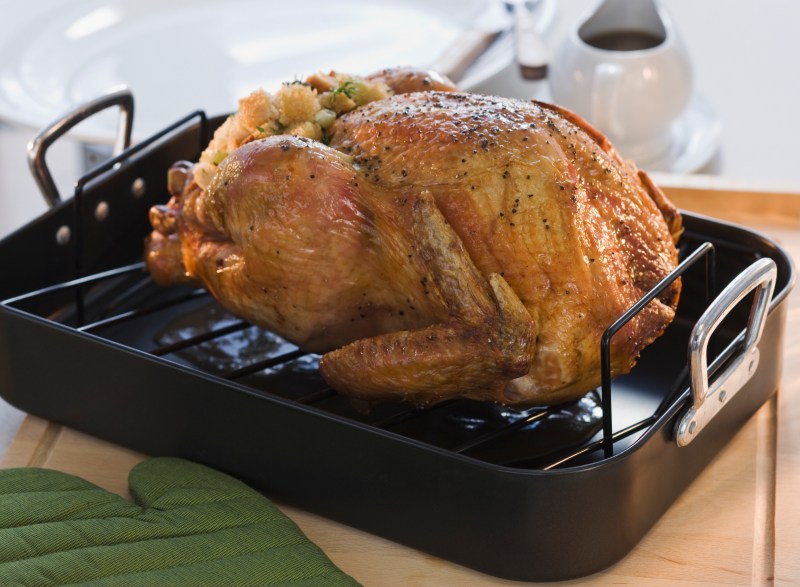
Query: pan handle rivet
{"type": "Point", "coordinates": [63, 235]}
{"type": "Point", "coordinates": [138, 187]}
{"type": "Point", "coordinates": [692, 426]}
{"type": "Point", "coordinates": [101, 211]}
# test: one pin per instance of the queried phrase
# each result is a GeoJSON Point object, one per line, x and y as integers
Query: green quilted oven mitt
{"type": "Point", "coordinates": [189, 525]}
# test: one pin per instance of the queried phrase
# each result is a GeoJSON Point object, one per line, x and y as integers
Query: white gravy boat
{"type": "Point", "coordinates": [625, 69]}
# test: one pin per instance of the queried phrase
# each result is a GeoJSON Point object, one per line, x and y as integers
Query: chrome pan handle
{"type": "Point", "coordinates": [48, 135]}
{"type": "Point", "coordinates": [708, 400]}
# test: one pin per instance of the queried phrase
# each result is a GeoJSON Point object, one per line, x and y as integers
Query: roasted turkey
{"type": "Point", "coordinates": [433, 244]}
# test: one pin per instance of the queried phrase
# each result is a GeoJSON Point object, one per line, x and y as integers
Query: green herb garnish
{"type": "Point", "coordinates": [348, 88]}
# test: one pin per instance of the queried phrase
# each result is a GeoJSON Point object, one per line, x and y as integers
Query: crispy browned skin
{"type": "Point", "coordinates": [443, 244]}
{"type": "Point", "coordinates": [405, 80]}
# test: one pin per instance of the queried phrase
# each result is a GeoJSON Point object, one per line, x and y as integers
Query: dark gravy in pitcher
{"type": "Point", "coordinates": [624, 40]}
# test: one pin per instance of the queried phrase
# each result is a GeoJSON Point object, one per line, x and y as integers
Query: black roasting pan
{"type": "Point", "coordinates": [88, 341]}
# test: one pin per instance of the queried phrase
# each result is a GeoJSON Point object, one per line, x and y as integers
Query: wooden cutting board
{"type": "Point", "coordinates": [738, 524]}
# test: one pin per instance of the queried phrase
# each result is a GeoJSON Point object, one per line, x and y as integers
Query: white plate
{"type": "Point", "coordinates": [182, 55]}
{"type": "Point", "coordinates": [694, 138]}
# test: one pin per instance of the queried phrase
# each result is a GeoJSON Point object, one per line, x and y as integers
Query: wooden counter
{"type": "Point", "coordinates": [738, 524]}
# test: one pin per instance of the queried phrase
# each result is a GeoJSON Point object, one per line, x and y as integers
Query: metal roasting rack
{"type": "Point", "coordinates": [134, 281]}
